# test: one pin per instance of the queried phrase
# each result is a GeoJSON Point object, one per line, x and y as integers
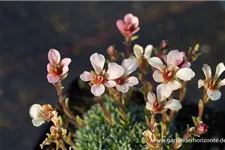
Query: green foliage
{"type": "Point", "coordinates": [99, 135]}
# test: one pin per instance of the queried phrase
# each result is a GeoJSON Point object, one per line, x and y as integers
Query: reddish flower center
{"type": "Point", "coordinates": [168, 75]}
{"type": "Point", "coordinates": [157, 107]}
{"type": "Point", "coordinates": [97, 79]}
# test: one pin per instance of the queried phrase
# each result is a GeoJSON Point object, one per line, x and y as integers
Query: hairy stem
{"type": "Point", "coordinates": [128, 46]}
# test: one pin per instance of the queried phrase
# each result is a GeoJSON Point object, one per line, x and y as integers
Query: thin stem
{"type": "Point", "coordinates": [106, 113]}
{"type": "Point", "coordinates": [122, 108]}
{"type": "Point", "coordinates": [128, 46]}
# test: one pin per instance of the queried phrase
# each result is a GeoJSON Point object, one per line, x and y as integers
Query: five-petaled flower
{"type": "Point", "coordinates": [142, 56]}
{"type": "Point", "coordinates": [159, 104]}
{"type": "Point", "coordinates": [40, 114]}
{"type": "Point", "coordinates": [100, 77]}
{"type": "Point", "coordinates": [170, 74]}
{"type": "Point", "coordinates": [56, 69]}
{"type": "Point", "coordinates": [124, 82]}
{"type": "Point", "coordinates": [212, 84]}
{"type": "Point", "coordinates": [129, 26]}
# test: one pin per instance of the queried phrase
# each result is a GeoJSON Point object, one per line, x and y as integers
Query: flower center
{"type": "Point", "coordinates": [97, 79]}
{"type": "Point", "coordinates": [120, 81]}
{"type": "Point", "coordinates": [168, 75]}
{"type": "Point", "coordinates": [157, 107]}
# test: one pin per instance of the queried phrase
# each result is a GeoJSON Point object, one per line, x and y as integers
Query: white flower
{"type": "Point", "coordinates": [159, 104]}
{"type": "Point", "coordinates": [99, 78]}
{"type": "Point", "coordinates": [212, 84]}
{"type": "Point", "coordinates": [126, 81]}
{"type": "Point", "coordinates": [141, 56]}
{"type": "Point", "coordinates": [170, 74]}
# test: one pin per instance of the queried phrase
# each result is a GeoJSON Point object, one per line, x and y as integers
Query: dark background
{"type": "Point", "coordinates": [78, 29]}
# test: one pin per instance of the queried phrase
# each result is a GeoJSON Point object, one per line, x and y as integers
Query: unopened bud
{"type": "Point", "coordinates": [112, 52]}
{"type": "Point", "coordinates": [201, 128]}
{"type": "Point", "coordinates": [164, 44]}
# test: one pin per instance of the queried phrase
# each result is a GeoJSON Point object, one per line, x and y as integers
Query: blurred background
{"type": "Point", "coordinates": [78, 29]}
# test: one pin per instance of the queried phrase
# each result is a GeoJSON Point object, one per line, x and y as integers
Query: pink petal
{"type": "Point", "coordinates": [129, 66]}
{"type": "Point", "coordinates": [114, 71]}
{"type": "Point", "coordinates": [122, 88]}
{"type": "Point", "coordinates": [97, 89]}
{"type": "Point", "coordinates": [135, 21]}
{"type": "Point", "coordinates": [186, 64]}
{"type": "Point", "coordinates": [173, 104]}
{"type": "Point", "coordinates": [214, 94]}
{"type": "Point", "coordinates": [65, 62]}
{"type": "Point", "coordinates": [128, 19]}
{"type": "Point", "coordinates": [97, 61]}
{"type": "Point", "coordinates": [135, 31]}
{"type": "Point", "coordinates": [174, 58]}
{"type": "Point", "coordinates": [86, 76]}
{"type": "Point", "coordinates": [110, 84]}
{"type": "Point", "coordinates": [158, 76]}
{"type": "Point", "coordinates": [131, 81]}
{"type": "Point", "coordinates": [185, 74]}
{"type": "Point", "coordinates": [207, 71]}
{"type": "Point", "coordinates": [120, 25]}
{"type": "Point", "coordinates": [54, 56]}
{"type": "Point", "coordinates": [220, 68]}
{"type": "Point", "coordinates": [49, 68]}
{"type": "Point", "coordinates": [52, 78]}
{"type": "Point", "coordinates": [65, 70]}
{"type": "Point", "coordinates": [156, 63]}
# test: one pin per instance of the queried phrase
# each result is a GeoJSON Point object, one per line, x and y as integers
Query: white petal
{"type": "Point", "coordinates": [158, 76]}
{"type": "Point", "coordinates": [207, 71]}
{"type": "Point", "coordinates": [173, 104]}
{"type": "Point", "coordinates": [220, 68]}
{"type": "Point", "coordinates": [97, 89]}
{"type": "Point", "coordinates": [35, 111]}
{"type": "Point", "coordinates": [149, 105]}
{"type": "Point", "coordinates": [110, 84]}
{"type": "Point", "coordinates": [148, 51]}
{"type": "Point", "coordinates": [114, 71]}
{"type": "Point", "coordinates": [131, 81]}
{"type": "Point", "coordinates": [86, 76]}
{"type": "Point", "coordinates": [174, 85]}
{"type": "Point", "coordinates": [156, 63]}
{"type": "Point", "coordinates": [200, 83]}
{"type": "Point", "coordinates": [221, 83]}
{"type": "Point", "coordinates": [185, 74]}
{"type": "Point", "coordinates": [151, 97]}
{"type": "Point", "coordinates": [122, 88]}
{"type": "Point", "coordinates": [163, 92]}
{"type": "Point", "coordinates": [214, 94]}
{"type": "Point", "coordinates": [138, 51]}
{"type": "Point", "coordinates": [38, 121]}
{"type": "Point", "coordinates": [97, 61]}
{"type": "Point", "coordinates": [129, 66]}
{"type": "Point", "coordinates": [174, 58]}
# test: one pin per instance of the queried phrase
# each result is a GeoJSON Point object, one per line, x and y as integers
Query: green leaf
{"type": "Point", "coordinates": [134, 37]}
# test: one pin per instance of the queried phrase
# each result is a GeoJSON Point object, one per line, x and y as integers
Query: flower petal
{"type": "Point", "coordinates": [97, 89]}
{"type": "Point", "coordinates": [221, 83]}
{"type": "Point", "coordinates": [138, 51]}
{"type": "Point", "coordinates": [65, 70]}
{"type": "Point", "coordinates": [54, 56]}
{"type": "Point", "coordinates": [131, 81]}
{"type": "Point", "coordinates": [35, 111]}
{"type": "Point", "coordinates": [110, 84]}
{"type": "Point", "coordinates": [174, 58]}
{"type": "Point", "coordinates": [97, 61]}
{"type": "Point", "coordinates": [65, 62]}
{"type": "Point", "coordinates": [149, 105]}
{"type": "Point", "coordinates": [114, 71]}
{"type": "Point", "coordinates": [185, 74]}
{"type": "Point", "coordinates": [156, 63]}
{"type": "Point", "coordinates": [151, 97]}
{"type": "Point", "coordinates": [220, 68]}
{"type": "Point", "coordinates": [185, 64]}
{"type": "Point", "coordinates": [214, 94]}
{"type": "Point", "coordinates": [173, 104]}
{"type": "Point", "coordinates": [158, 76]}
{"type": "Point", "coordinates": [128, 18]}
{"type": "Point", "coordinates": [129, 66]}
{"type": "Point", "coordinates": [148, 51]}
{"type": "Point", "coordinates": [38, 121]}
{"type": "Point", "coordinates": [200, 83]}
{"type": "Point", "coordinates": [207, 71]}
{"type": "Point", "coordinates": [86, 76]}
{"type": "Point", "coordinates": [52, 78]}
{"type": "Point", "coordinates": [163, 92]}
{"type": "Point", "coordinates": [49, 68]}
{"type": "Point", "coordinates": [135, 21]}
{"type": "Point", "coordinates": [174, 85]}
{"type": "Point", "coordinates": [120, 25]}
{"type": "Point", "coordinates": [122, 88]}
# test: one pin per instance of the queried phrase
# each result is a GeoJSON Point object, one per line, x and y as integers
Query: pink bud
{"type": "Point", "coordinates": [201, 128]}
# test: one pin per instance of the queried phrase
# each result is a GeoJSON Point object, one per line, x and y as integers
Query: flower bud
{"type": "Point", "coordinates": [112, 52]}
{"type": "Point", "coordinates": [164, 44]}
{"type": "Point", "coordinates": [201, 128]}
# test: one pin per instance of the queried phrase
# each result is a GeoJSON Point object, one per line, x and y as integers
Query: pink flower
{"type": "Point", "coordinates": [201, 128]}
{"type": "Point", "coordinates": [129, 26]}
{"type": "Point", "coordinates": [170, 74]}
{"type": "Point", "coordinates": [101, 78]}
{"type": "Point", "coordinates": [124, 82]}
{"type": "Point", "coordinates": [212, 84]}
{"type": "Point", "coordinates": [160, 104]}
{"type": "Point", "coordinates": [56, 68]}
